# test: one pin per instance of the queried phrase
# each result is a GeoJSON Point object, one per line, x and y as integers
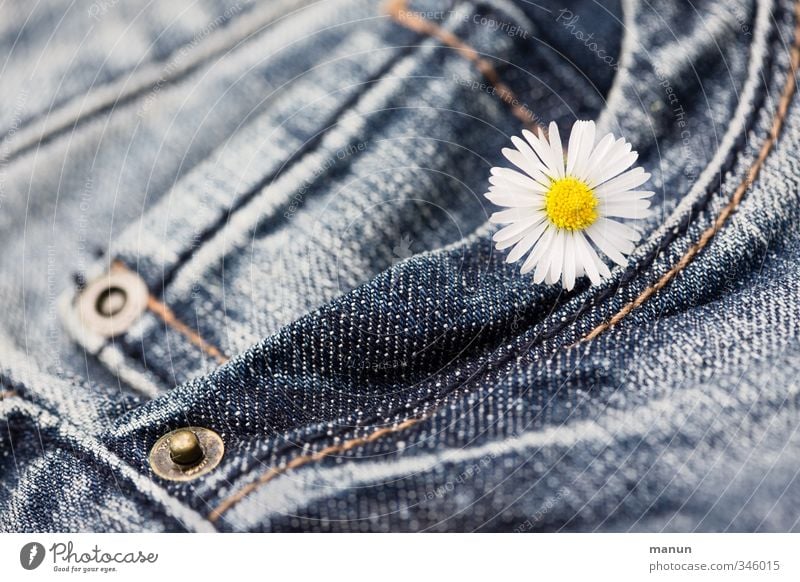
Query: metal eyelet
{"type": "Point", "coordinates": [110, 304]}
{"type": "Point", "coordinates": [186, 453]}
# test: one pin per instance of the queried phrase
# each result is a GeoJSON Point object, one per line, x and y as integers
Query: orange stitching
{"type": "Point", "coordinates": [297, 462]}
{"type": "Point", "coordinates": [7, 394]}
{"type": "Point", "coordinates": [398, 10]}
{"type": "Point", "coordinates": [730, 208]}
{"type": "Point", "coordinates": [168, 317]}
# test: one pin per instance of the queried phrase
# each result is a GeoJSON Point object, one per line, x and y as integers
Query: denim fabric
{"type": "Point", "coordinates": [302, 187]}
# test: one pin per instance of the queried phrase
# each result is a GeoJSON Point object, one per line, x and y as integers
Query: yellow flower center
{"type": "Point", "coordinates": [571, 204]}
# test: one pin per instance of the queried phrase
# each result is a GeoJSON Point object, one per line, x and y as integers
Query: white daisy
{"type": "Point", "coordinates": [560, 210]}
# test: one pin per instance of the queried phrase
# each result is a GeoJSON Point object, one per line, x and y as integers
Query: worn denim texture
{"type": "Point", "coordinates": [302, 187]}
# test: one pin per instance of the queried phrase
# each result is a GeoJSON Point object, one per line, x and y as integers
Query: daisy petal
{"type": "Point", "coordinates": [515, 215]}
{"type": "Point", "coordinates": [597, 156]}
{"type": "Point", "coordinates": [569, 261]}
{"type": "Point", "coordinates": [610, 250]}
{"type": "Point", "coordinates": [540, 175]}
{"type": "Point", "coordinates": [616, 150]}
{"type": "Point", "coordinates": [585, 146]}
{"type": "Point", "coordinates": [510, 200]}
{"type": "Point", "coordinates": [628, 195]}
{"type": "Point", "coordinates": [510, 242]}
{"type": "Point", "coordinates": [623, 245]}
{"type": "Point", "coordinates": [526, 243]}
{"type": "Point", "coordinates": [539, 251]}
{"type": "Point", "coordinates": [616, 167]}
{"type": "Point", "coordinates": [627, 181]}
{"type": "Point", "coordinates": [523, 163]}
{"type": "Point", "coordinates": [556, 148]}
{"type": "Point", "coordinates": [601, 267]}
{"type": "Point", "coordinates": [515, 229]}
{"type": "Point", "coordinates": [542, 149]}
{"type": "Point", "coordinates": [542, 268]}
{"type": "Point", "coordinates": [557, 257]}
{"type": "Point", "coordinates": [512, 189]}
{"type": "Point", "coordinates": [585, 259]}
{"type": "Point", "coordinates": [507, 176]}
{"type": "Point", "coordinates": [572, 146]}
{"type": "Point", "coordinates": [629, 209]}
{"type": "Point", "coordinates": [612, 227]}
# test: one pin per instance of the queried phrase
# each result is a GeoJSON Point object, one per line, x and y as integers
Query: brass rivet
{"type": "Point", "coordinates": [184, 448]}
{"type": "Point", "coordinates": [186, 453]}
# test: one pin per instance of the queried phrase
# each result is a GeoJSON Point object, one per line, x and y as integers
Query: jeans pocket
{"type": "Point", "coordinates": [376, 153]}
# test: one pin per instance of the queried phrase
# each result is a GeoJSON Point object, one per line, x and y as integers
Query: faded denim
{"type": "Point", "coordinates": [302, 187]}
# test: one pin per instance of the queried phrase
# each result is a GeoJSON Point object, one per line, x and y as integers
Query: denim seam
{"type": "Point", "coordinates": [165, 314]}
{"type": "Point", "coordinates": [297, 462]}
{"type": "Point", "coordinates": [396, 9]}
{"type": "Point", "coordinates": [245, 197]}
{"type": "Point", "coordinates": [752, 174]}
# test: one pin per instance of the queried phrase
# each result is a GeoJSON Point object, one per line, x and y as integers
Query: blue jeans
{"type": "Point", "coordinates": [266, 221]}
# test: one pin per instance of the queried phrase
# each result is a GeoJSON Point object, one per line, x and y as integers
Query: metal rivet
{"type": "Point", "coordinates": [111, 301]}
{"type": "Point", "coordinates": [110, 304]}
{"type": "Point", "coordinates": [186, 453]}
{"type": "Point", "coordinates": [184, 448]}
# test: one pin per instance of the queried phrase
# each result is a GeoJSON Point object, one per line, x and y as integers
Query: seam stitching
{"type": "Point", "coordinates": [165, 314]}
{"type": "Point", "coordinates": [393, 7]}
{"type": "Point", "coordinates": [297, 462]}
{"type": "Point", "coordinates": [736, 198]}
{"type": "Point", "coordinates": [398, 11]}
